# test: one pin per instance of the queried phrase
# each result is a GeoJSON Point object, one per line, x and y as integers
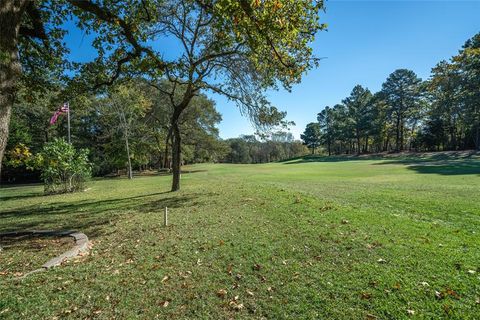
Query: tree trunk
{"type": "Point", "coordinates": [477, 137]}
{"type": "Point", "coordinates": [402, 126]}
{"type": "Point", "coordinates": [176, 157]}
{"type": "Point", "coordinates": [159, 163]}
{"type": "Point", "coordinates": [166, 163]}
{"type": "Point", "coordinates": [477, 129]}
{"type": "Point", "coordinates": [129, 169]}
{"type": "Point", "coordinates": [358, 144]}
{"type": "Point", "coordinates": [10, 69]}
{"type": "Point", "coordinates": [177, 141]}
{"type": "Point", "coordinates": [397, 137]}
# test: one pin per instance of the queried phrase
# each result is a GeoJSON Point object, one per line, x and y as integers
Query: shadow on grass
{"type": "Point", "coordinates": [22, 196]}
{"type": "Point", "coordinates": [310, 159]}
{"type": "Point", "coordinates": [86, 215]}
{"type": "Point", "coordinates": [471, 158]}
{"type": "Point", "coordinates": [442, 167]}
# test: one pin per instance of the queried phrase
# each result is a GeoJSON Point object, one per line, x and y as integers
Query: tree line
{"type": "Point", "coordinates": [441, 113]}
{"type": "Point", "coordinates": [277, 146]}
{"type": "Point", "coordinates": [126, 129]}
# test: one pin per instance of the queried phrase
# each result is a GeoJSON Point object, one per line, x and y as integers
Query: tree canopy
{"type": "Point", "coordinates": [440, 113]}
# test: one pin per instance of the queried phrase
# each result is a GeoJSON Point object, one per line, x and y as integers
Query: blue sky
{"type": "Point", "coordinates": [365, 42]}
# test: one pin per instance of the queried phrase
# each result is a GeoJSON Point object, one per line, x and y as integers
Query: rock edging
{"type": "Point", "coordinates": [81, 245]}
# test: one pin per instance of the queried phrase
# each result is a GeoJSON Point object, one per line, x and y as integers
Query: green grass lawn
{"type": "Point", "coordinates": [312, 238]}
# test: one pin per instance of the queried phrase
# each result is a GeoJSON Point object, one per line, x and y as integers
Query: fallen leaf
{"type": "Point", "coordinates": [236, 306]}
{"type": "Point", "coordinates": [256, 267]}
{"type": "Point", "coordinates": [366, 295]}
{"type": "Point", "coordinates": [165, 303]}
{"type": "Point", "coordinates": [165, 279]}
{"type": "Point", "coordinates": [452, 293]}
{"type": "Point", "coordinates": [381, 260]}
{"type": "Point", "coordinates": [344, 221]}
{"type": "Point", "coordinates": [221, 293]}
{"type": "Point", "coordinates": [229, 269]}
{"type": "Point", "coordinates": [370, 316]}
{"type": "Point", "coordinates": [410, 312]}
{"type": "Point", "coordinates": [250, 293]}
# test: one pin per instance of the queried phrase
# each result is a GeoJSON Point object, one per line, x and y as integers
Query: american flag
{"type": "Point", "coordinates": [62, 109]}
{"type": "Point", "coordinates": [65, 107]}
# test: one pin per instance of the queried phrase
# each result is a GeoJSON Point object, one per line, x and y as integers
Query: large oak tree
{"type": "Point", "coordinates": [237, 49]}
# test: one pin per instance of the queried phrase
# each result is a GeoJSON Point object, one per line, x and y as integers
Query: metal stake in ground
{"type": "Point", "coordinates": [165, 217]}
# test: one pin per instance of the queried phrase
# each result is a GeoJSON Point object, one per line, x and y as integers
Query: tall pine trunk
{"type": "Point", "coordinates": [397, 137]}
{"type": "Point", "coordinates": [358, 143]}
{"type": "Point", "coordinates": [477, 137]}
{"type": "Point", "coordinates": [477, 129]}
{"type": "Point", "coordinates": [10, 69]}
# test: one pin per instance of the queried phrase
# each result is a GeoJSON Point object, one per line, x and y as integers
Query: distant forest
{"type": "Point", "coordinates": [441, 113]}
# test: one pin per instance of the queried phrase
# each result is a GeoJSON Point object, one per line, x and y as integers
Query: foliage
{"type": "Point", "coordinates": [312, 136]}
{"type": "Point", "coordinates": [20, 155]}
{"type": "Point", "coordinates": [64, 169]}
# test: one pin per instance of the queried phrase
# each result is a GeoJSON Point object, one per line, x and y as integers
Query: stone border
{"type": "Point", "coordinates": [81, 245]}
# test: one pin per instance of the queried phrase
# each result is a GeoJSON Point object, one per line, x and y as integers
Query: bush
{"type": "Point", "coordinates": [64, 169]}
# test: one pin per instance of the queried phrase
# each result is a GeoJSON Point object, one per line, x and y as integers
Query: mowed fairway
{"type": "Point", "coordinates": [312, 238]}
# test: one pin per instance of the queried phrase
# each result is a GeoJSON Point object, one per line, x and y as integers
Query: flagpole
{"type": "Point", "coordinates": [68, 121]}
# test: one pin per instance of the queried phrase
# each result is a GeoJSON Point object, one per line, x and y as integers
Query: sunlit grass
{"type": "Point", "coordinates": [311, 238]}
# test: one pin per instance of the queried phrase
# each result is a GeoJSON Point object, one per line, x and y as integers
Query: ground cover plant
{"type": "Point", "coordinates": [312, 238]}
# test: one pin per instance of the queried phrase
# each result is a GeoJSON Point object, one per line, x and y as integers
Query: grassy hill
{"type": "Point", "coordinates": [311, 238]}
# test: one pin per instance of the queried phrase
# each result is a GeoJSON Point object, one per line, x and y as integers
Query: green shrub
{"type": "Point", "coordinates": [64, 169]}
